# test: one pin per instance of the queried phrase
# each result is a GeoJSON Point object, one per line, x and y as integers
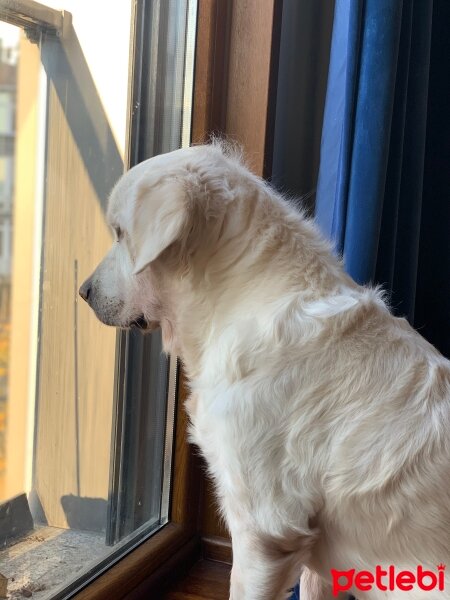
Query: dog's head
{"type": "Point", "coordinates": [153, 211]}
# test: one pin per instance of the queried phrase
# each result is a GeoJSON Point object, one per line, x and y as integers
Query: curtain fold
{"type": "Point", "coordinates": [369, 201]}
{"type": "Point", "coordinates": [383, 193]}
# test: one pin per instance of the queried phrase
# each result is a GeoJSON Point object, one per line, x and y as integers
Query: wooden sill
{"type": "Point", "coordinates": [207, 580]}
{"type": "Point", "coordinates": [192, 569]}
{"type": "Point", "coordinates": [170, 548]}
{"type": "Point", "coordinates": [217, 549]}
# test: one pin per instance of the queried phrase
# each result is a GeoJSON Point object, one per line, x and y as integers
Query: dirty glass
{"type": "Point", "coordinates": [86, 414]}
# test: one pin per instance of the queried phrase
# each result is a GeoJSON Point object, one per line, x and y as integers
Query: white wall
{"type": "Point", "coordinates": [103, 30]}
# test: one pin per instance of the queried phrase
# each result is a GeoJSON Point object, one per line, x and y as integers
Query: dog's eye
{"type": "Point", "coordinates": [119, 233]}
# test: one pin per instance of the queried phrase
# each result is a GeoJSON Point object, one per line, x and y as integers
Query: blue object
{"type": "Point", "coordinates": [369, 193]}
{"type": "Point", "coordinates": [295, 593]}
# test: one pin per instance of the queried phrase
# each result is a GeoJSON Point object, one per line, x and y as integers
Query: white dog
{"type": "Point", "coordinates": [325, 420]}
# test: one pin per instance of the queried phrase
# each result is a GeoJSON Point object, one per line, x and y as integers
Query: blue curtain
{"type": "Point", "coordinates": [384, 178]}
{"type": "Point", "coordinates": [383, 193]}
{"type": "Point", "coordinates": [369, 195]}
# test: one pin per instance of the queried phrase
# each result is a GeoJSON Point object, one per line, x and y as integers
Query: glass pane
{"type": "Point", "coordinates": [85, 427]}
{"type": "Point", "coordinates": [9, 48]}
{"type": "Point", "coordinates": [162, 123]}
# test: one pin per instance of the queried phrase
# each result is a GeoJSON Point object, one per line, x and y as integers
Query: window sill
{"type": "Point", "coordinates": [143, 568]}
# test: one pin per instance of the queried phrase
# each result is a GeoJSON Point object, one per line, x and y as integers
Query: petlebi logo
{"type": "Point", "coordinates": [389, 579]}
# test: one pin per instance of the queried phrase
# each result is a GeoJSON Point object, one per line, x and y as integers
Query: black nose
{"type": "Point", "coordinates": [85, 290]}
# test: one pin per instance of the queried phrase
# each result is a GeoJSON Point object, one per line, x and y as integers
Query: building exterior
{"type": "Point", "coordinates": [8, 77]}
{"type": "Point", "coordinates": [8, 72]}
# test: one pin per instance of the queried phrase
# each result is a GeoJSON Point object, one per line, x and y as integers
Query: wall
{"type": "Point", "coordinates": [62, 442]}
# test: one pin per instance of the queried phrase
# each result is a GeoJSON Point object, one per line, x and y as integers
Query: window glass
{"type": "Point", "coordinates": [9, 43]}
{"type": "Point", "coordinates": [85, 422]}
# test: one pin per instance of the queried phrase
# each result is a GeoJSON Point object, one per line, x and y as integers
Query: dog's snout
{"type": "Point", "coordinates": [85, 290]}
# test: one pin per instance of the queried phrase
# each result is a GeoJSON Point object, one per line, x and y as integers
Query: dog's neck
{"type": "Point", "coordinates": [221, 296]}
{"type": "Point", "coordinates": [261, 256]}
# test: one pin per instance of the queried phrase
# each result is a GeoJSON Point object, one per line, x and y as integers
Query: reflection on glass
{"type": "Point", "coordinates": [82, 479]}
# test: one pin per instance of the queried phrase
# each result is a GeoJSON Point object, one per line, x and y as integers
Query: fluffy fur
{"type": "Point", "coordinates": [324, 420]}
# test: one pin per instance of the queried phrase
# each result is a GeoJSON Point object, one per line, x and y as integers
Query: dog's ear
{"type": "Point", "coordinates": [159, 217]}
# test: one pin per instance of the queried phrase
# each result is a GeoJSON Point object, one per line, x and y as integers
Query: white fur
{"type": "Point", "coordinates": [325, 420]}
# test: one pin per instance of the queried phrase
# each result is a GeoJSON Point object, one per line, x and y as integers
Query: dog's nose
{"type": "Point", "coordinates": [86, 289]}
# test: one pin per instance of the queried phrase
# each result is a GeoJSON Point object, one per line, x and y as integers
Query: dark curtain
{"type": "Point", "coordinates": [432, 308]}
{"type": "Point", "coordinates": [305, 41]}
{"type": "Point", "coordinates": [383, 193]}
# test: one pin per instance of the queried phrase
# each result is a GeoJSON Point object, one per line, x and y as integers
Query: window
{"type": "Point", "coordinates": [86, 414]}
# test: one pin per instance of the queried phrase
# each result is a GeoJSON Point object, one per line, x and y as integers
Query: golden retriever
{"type": "Point", "coordinates": [324, 419]}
